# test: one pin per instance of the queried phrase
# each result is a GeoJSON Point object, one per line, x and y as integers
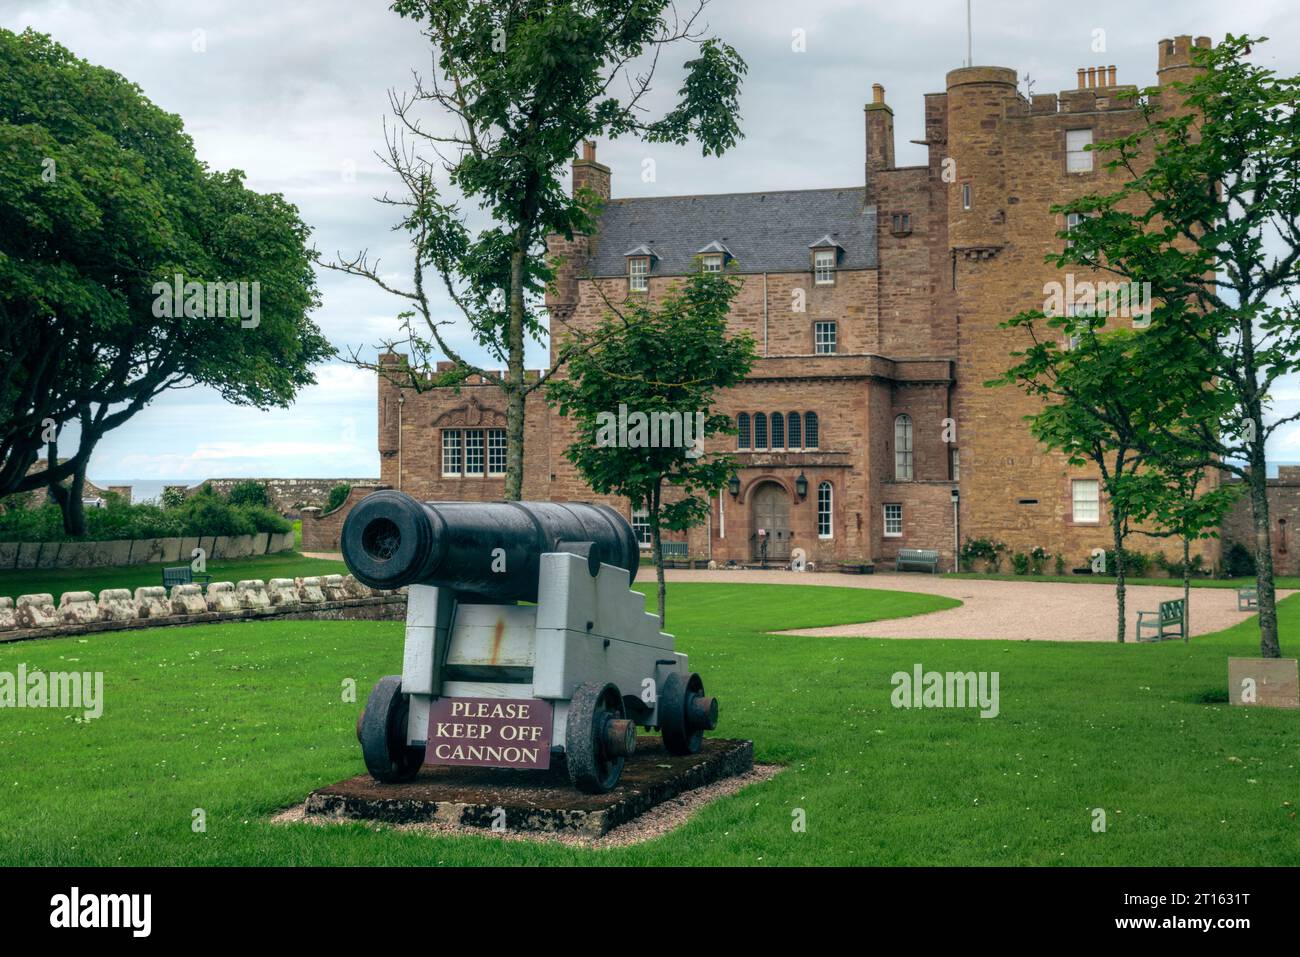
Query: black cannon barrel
{"type": "Point", "coordinates": [488, 549]}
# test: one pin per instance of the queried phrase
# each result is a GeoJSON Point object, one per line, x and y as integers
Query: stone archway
{"type": "Point", "coordinates": [770, 515]}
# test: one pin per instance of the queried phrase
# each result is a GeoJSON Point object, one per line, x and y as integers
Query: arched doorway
{"type": "Point", "coordinates": [771, 523]}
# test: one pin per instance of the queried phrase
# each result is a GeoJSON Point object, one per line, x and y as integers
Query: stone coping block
{"type": "Point", "coordinates": [151, 602]}
{"type": "Point", "coordinates": [188, 599]}
{"type": "Point", "coordinates": [37, 611]}
{"type": "Point", "coordinates": [221, 597]}
{"type": "Point", "coordinates": [309, 589]}
{"type": "Point", "coordinates": [282, 591]}
{"type": "Point", "coordinates": [537, 801]}
{"type": "Point", "coordinates": [8, 616]}
{"type": "Point", "coordinates": [251, 593]}
{"type": "Point", "coordinates": [116, 604]}
{"type": "Point", "coordinates": [78, 607]}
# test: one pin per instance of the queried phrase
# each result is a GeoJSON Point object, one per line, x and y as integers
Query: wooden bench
{"type": "Point", "coordinates": [182, 575]}
{"type": "Point", "coordinates": [917, 556]}
{"type": "Point", "coordinates": [1247, 599]}
{"type": "Point", "coordinates": [1169, 616]}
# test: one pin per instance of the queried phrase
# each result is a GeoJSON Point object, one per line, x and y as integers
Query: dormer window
{"type": "Point", "coordinates": [713, 257]}
{"type": "Point", "coordinates": [825, 257]}
{"type": "Point", "coordinates": [639, 260]}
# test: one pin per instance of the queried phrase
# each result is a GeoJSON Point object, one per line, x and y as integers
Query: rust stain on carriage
{"type": "Point", "coordinates": [497, 635]}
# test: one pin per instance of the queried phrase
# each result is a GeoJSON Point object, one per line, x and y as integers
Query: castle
{"type": "Point", "coordinates": [865, 425]}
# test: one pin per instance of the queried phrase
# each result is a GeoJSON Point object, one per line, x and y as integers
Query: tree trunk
{"type": "Point", "coordinates": [656, 548]}
{"type": "Point", "coordinates": [515, 396]}
{"type": "Point", "coordinates": [1258, 478]}
{"type": "Point", "coordinates": [1187, 587]}
{"type": "Point", "coordinates": [1117, 527]}
{"type": "Point", "coordinates": [70, 503]}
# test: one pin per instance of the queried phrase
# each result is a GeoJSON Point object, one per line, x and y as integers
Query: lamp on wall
{"type": "Point", "coordinates": [733, 485]}
{"type": "Point", "coordinates": [801, 485]}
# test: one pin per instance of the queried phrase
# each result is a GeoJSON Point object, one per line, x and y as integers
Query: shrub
{"type": "Point", "coordinates": [173, 497]}
{"type": "Point", "coordinates": [1020, 563]}
{"type": "Point", "coordinates": [989, 551]}
{"type": "Point", "coordinates": [1059, 564]}
{"type": "Point", "coordinates": [249, 493]}
{"type": "Point", "coordinates": [1239, 562]}
{"type": "Point", "coordinates": [338, 495]}
{"type": "Point", "coordinates": [1136, 564]}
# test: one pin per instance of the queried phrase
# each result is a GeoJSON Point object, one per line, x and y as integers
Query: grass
{"type": "Point", "coordinates": [1281, 581]}
{"type": "Point", "coordinates": [244, 719]}
{"type": "Point", "coordinates": [58, 580]}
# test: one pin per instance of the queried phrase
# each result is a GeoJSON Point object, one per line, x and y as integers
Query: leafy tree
{"type": "Point", "coordinates": [665, 359]}
{"type": "Point", "coordinates": [249, 492]}
{"type": "Point", "coordinates": [1208, 214]}
{"type": "Point", "coordinates": [101, 200]}
{"type": "Point", "coordinates": [338, 495]}
{"type": "Point", "coordinates": [517, 85]}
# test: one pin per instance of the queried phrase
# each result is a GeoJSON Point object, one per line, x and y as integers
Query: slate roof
{"type": "Point", "coordinates": [765, 232]}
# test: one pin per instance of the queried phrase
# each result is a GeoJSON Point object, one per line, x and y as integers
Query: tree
{"type": "Point", "coordinates": [1207, 219]}
{"type": "Point", "coordinates": [654, 364]}
{"type": "Point", "coordinates": [103, 205]}
{"type": "Point", "coordinates": [517, 85]}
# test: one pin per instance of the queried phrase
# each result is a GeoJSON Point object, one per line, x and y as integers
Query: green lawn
{"type": "Point", "coordinates": [58, 580]}
{"type": "Point", "coordinates": [244, 719]}
{"type": "Point", "coordinates": [1281, 581]}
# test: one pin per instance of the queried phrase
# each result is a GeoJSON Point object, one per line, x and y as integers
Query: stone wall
{"type": "Point", "coordinates": [321, 530]}
{"type": "Point", "coordinates": [143, 551]}
{"type": "Point", "coordinates": [1284, 521]}
{"type": "Point", "coordinates": [288, 495]}
{"type": "Point", "coordinates": [115, 609]}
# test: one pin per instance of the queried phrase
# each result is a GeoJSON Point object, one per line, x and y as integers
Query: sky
{"type": "Point", "coordinates": [295, 93]}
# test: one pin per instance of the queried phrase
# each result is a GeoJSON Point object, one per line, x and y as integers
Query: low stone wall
{"type": "Point", "coordinates": [288, 495]}
{"type": "Point", "coordinates": [321, 530]}
{"type": "Point", "coordinates": [115, 609]}
{"type": "Point", "coordinates": [142, 551]}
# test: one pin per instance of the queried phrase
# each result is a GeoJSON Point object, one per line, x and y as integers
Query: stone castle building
{"type": "Point", "coordinates": [865, 425]}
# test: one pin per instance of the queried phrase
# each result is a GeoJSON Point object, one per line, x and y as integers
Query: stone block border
{"type": "Point", "coordinates": [117, 609]}
{"type": "Point", "coordinates": [144, 551]}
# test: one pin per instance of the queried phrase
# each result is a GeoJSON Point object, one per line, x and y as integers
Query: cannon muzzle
{"type": "Point", "coordinates": [491, 550]}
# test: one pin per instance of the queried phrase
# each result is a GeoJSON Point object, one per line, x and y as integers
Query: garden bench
{"type": "Point", "coordinates": [1169, 616]}
{"type": "Point", "coordinates": [182, 575]}
{"type": "Point", "coordinates": [917, 556]}
{"type": "Point", "coordinates": [1247, 598]}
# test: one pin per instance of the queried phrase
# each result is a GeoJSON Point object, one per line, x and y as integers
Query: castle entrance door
{"type": "Point", "coordinates": [772, 519]}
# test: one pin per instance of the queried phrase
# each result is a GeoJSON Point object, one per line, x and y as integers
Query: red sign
{"type": "Point", "coordinates": [490, 732]}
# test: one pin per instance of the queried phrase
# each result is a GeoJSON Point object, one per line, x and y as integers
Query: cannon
{"type": "Point", "coordinates": [524, 641]}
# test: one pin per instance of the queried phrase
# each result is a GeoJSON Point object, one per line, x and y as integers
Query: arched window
{"type": "Point", "coordinates": [824, 501]}
{"type": "Point", "coordinates": [793, 431]}
{"type": "Point", "coordinates": [903, 448]}
{"type": "Point", "coordinates": [760, 430]}
{"type": "Point", "coordinates": [742, 430]}
{"type": "Point", "coordinates": [810, 437]}
{"type": "Point", "coordinates": [778, 430]}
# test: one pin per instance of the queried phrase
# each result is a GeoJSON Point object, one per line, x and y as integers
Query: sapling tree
{"type": "Point", "coordinates": [1207, 219]}
{"type": "Point", "coordinates": [656, 365]}
{"type": "Point", "coordinates": [516, 86]}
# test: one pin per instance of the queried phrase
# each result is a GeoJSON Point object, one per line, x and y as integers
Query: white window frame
{"type": "Point", "coordinates": [893, 510]}
{"type": "Point", "coordinates": [496, 451]}
{"type": "Point", "coordinates": [904, 461]}
{"type": "Point", "coordinates": [712, 263]}
{"type": "Point", "coordinates": [954, 464]}
{"type": "Point", "coordinates": [640, 519]}
{"type": "Point", "coordinates": [826, 334]}
{"type": "Point", "coordinates": [1077, 158]}
{"type": "Point", "coordinates": [1092, 504]}
{"type": "Point", "coordinates": [966, 195]}
{"type": "Point", "coordinates": [638, 273]}
{"type": "Point", "coordinates": [825, 510]}
{"type": "Point", "coordinates": [474, 443]}
{"type": "Point", "coordinates": [824, 267]}
{"type": "Point", "coordinates": [451, 442]}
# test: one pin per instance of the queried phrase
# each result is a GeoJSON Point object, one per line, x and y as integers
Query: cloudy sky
{"type": "Point", "coordinates": [294, 92]}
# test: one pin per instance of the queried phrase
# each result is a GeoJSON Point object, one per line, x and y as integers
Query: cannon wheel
{"type": "Point", "coordinates": [591, 768]}
{"type": "Point", "coordinates": [381, 729]}
{"type": "Point", "coordinates": [681, 725]}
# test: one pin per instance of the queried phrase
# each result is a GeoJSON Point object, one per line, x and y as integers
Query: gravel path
{"type": "Point", "coordinates": [1022, 611]}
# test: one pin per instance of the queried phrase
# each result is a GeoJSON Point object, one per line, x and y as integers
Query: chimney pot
{"type": "Point", "coordinates": [877, 93]}
{"type": "Point", "coordinates": [1081, 71]}
{"type": "Point", "coordinates": [1110, 75]}
{"type": "Point", "coordinates": [1092, 77]}
{"type": "Point", "coordinates": [589, 151]}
